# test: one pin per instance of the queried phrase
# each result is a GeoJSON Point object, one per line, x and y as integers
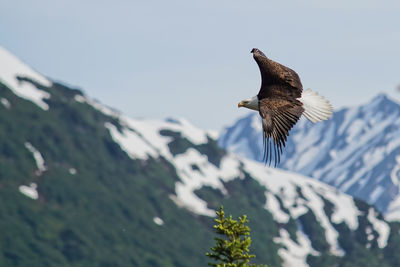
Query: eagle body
{"type": "Point", "coordinates": [281, 102]}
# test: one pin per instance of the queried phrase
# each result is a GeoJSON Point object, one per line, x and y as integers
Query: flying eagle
{"type": "Point", "coordinates": [280, 103]}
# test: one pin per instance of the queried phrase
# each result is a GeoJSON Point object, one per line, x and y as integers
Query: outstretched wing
{"type": "Point", "coordinates": [278, 76]}
{"type": "Point", "coordinates": [278, 117]}
{"type": "Point", "coordinates": [286, 74]}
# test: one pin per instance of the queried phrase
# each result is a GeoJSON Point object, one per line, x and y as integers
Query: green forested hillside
{"type": "Point", "coordinates": [102, 215]}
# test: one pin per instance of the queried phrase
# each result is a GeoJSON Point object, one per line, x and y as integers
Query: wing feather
{"type": "Point", "coordinates": [278, 117]}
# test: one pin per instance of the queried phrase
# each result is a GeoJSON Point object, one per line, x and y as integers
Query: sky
{"type": "Point", "coordinates": [191, 59]}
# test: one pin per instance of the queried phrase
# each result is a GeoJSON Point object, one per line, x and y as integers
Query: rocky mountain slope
{"type": "Point", "coordinates": [357, 151]}
{"type": "Point", "coordinates": [82, 185]}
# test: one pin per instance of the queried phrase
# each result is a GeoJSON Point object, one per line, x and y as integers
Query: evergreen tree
{"type": "Point", "coordinates": [231, 250]}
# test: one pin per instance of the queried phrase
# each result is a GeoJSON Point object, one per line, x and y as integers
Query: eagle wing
{"type": "Point", "coordinates": [286, 74]}
{"type": "Point", "coordinates": [284, 80]}
{"type": "Point", "coordinates": [278, 117]}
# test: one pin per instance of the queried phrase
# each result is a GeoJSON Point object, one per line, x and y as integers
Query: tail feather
{"type": "Point", "coordinates": [316, 107]}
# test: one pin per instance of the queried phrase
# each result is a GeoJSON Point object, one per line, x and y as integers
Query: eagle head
{"type": "Point", "coordinates": [251, 103]}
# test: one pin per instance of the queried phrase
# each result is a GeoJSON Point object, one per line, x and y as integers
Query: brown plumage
{"type": "Point", "coordinates": [280, 103]}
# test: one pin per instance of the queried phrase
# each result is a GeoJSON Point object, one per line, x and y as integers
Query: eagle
{"type": "Point", "coordinates": [280, 102]}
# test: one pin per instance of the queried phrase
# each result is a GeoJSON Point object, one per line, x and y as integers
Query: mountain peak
{"type": "Point", "coordinates": [380, 97]}
{"type": "Point", "coordinates": [381, 100]}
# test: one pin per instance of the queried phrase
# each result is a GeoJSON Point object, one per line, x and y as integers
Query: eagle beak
{"type": "Point", "coordinates": [241, 104]}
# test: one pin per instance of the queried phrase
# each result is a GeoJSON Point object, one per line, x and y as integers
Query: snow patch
{"type": "Point", "coordinates": [395, 173]}
{"type": "Point", "coordinates": [41, 165]}
{"type": "Point", "coordinates": [274, 207]}
{"type": "Point", "coordinates": [378, 191]}
{"type": "Point", "coordinates": [370, 236]}
{"type": "Point", "coordinates": [29, 191]}
{"type": "Point", "coordinates": [5, 103]}
{"type": "Point", "coordinates": [354, 130]}
{"type": "Point", "coordinates": [11, 68]}
{"type": "Point", "coordinates": [348, 118]}
{"type": "Point", "coordinates": [294, 254]}
{"type": "Point", "coordinates": [72, 171]}
{"type": "Point", "coordinates": [375, 156]}
{"type": "Point", "coordinates": [158, 221]}
{"type": "Point", "coordinates": [213, 134]}
{"type": "Point", "coordinates": [393, 144]}
{"type": "Point", "coordinates": [207, 175]}
{"type": "Point", "coordinates": [97, 105]}
{"type": "Point", "coordinates": [131, 143]}
{"type": "Point", "coordinates": [345, 210]}
{"type": "Point", "coordinates": [189, 131]}
{"type": "Point", "coordinates": [393, 211]}
{"type": "Point", "coordinates": [381, 227]}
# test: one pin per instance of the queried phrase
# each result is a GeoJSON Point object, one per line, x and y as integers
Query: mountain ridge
{"type": "Point", "coordinates": [357, 145]}
{"type": "Point", "coordinates": [82, 184]}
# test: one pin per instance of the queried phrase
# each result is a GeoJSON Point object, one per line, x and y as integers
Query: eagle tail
{"type": "Point", "coordinates": [316, 107]}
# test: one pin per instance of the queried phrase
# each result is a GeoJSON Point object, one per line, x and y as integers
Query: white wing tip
{"type": "Point", "coordinates": [316, 107]}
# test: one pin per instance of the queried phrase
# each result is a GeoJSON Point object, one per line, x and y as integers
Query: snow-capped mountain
{"type": "Point", "coordinates": [357, 151]}
{"type": "Point", "coordinates": [81, 184]}
{"type": "Point", "coordinates": [288, 196]}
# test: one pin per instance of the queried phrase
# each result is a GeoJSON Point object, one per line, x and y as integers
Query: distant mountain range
{"type": "Point", "coordinates": [357, 151]}
{"type": "Point", "coordinates": [83, 185]}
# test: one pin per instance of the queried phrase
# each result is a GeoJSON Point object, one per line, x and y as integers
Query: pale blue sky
{"type": "Point", "coordinates": [192, 59]}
